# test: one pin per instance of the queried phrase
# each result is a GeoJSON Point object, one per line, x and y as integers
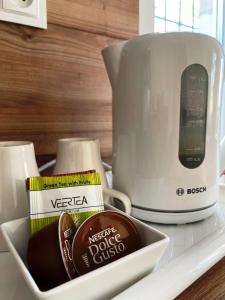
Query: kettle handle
{"type": "Point", "coordinates": [222, 142]}
{"type": "Point", "coordinates": [222, 156]}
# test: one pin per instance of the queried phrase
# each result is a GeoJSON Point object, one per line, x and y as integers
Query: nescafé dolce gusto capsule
{"type": "Point", "coordinates": [49, 252]}
{"type": "Point", "coordinates": [103, 238]}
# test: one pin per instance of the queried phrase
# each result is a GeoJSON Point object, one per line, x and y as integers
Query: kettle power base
{"type": "Point", "coordinates": [173, 217]}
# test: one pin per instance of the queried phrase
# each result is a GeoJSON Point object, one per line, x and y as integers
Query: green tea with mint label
{"type": "Point", "coordinates": [80, 195]}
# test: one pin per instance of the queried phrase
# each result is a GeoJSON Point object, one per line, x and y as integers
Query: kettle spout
{"type": "Point", "coordinates": [111, 56]}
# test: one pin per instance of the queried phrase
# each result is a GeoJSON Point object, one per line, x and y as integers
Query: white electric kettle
{"type": "Point", "coordinates": [167, 92]}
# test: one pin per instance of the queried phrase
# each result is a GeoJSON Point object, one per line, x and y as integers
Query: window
{"type": "Point", "coordinates": [204, 16]}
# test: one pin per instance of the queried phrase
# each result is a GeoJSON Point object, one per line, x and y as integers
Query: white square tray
{"type": "Point", "coordinates": [103, 283]}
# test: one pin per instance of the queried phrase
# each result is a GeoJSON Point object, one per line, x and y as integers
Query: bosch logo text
{"type": "Point", "coordinates": [181, 191]}
{"type": "Point", "coordinates": [196, 190]}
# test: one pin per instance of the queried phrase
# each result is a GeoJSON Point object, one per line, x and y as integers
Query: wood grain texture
{"type": "Point", "coordinates": [115, 18]}
{"type": "Point", "coordinates": [53, 84]}
{"type": "Point", "coordinates": [210, 286]}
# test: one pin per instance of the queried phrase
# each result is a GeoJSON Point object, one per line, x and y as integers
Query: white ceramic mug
{"type": "Point", "coordinates": [82, 154]}
{"type": "Point", "coordinates": [17, 162]}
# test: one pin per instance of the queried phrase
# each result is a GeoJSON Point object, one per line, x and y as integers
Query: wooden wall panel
{"type": "Point", "coordinates": [53, 82]}
{"type": "Point", "coordinates": [115, 18]}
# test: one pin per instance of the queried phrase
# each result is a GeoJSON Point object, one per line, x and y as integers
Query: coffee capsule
{"type": "Point", "coordinates": [49, 252]}
{"type": "Point", "coordinates": [66, 232]}
{"type": "Point", "coordinates": [103, 238]}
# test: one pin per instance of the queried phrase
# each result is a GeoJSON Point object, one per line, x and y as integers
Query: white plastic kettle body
{"type": "Point", "coordinates": [149, 75]}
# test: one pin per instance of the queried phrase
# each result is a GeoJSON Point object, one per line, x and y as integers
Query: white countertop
{"type": "Point", "coordinates": [193, 249]}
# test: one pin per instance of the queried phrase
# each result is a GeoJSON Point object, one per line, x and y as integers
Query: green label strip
{"type": "Point", "coordinates": [55, 182]}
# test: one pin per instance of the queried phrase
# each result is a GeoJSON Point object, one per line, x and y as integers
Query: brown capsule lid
{"type": "Point", "coordinates": [103, 238]}
{"type": "Point", "coordinates": [66, 231]}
